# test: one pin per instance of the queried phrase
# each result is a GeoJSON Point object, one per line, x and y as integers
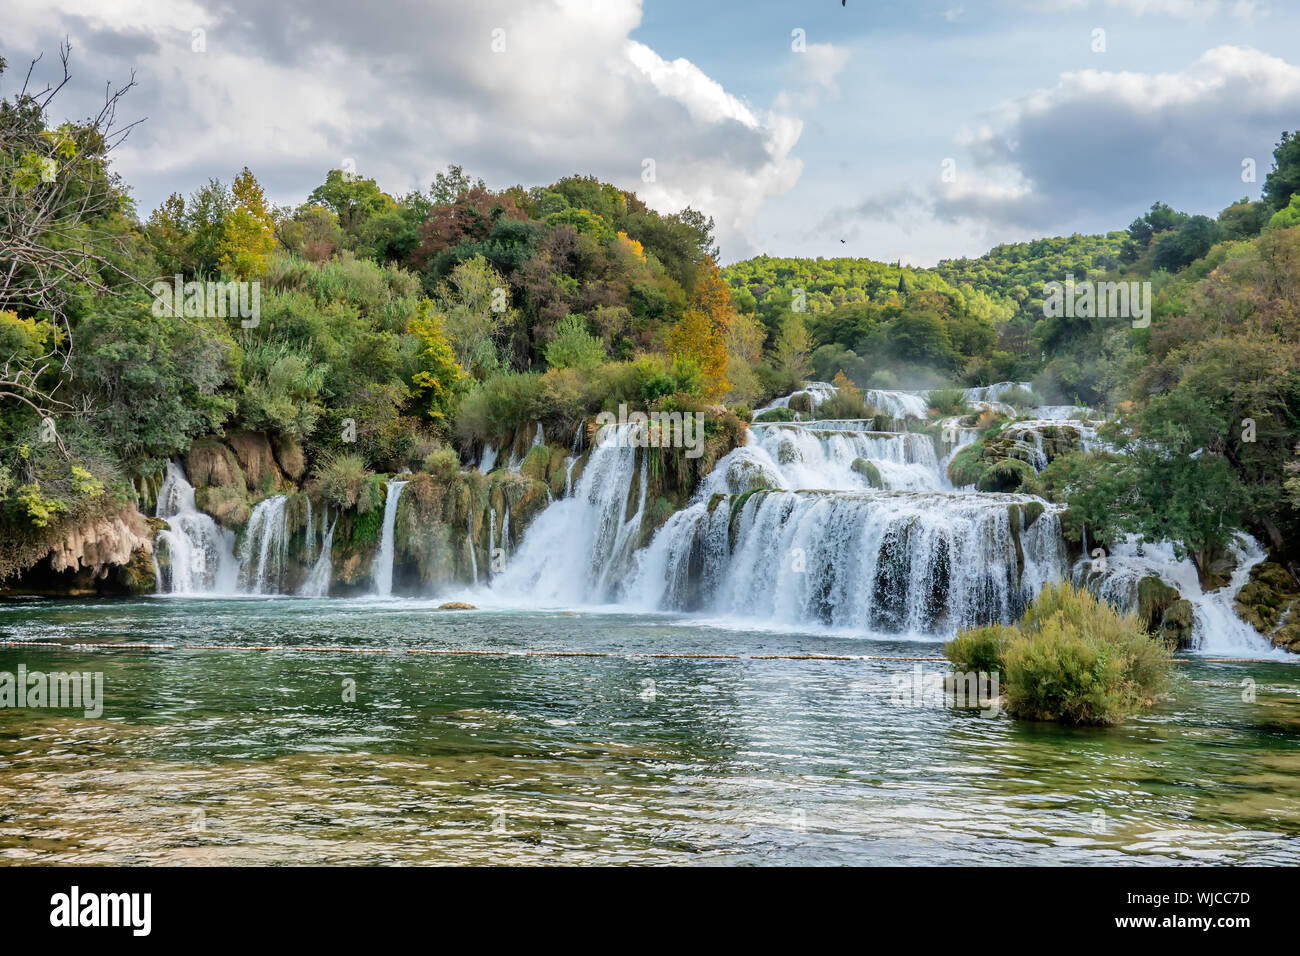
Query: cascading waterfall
{"type": "Point", "coordinates": [382, 568]}
{"type": "Point", "coordinates": [584, 540]}
{"type": "Point", "coordinates": [1217, 629]}
{"type": "Point", "coordinates": [265, 547]}
{"type": "Point", "coordinates": [910, 562]}
{"type": "Point", "coordinates": [317, 584]}
{"type": "Point", "coordinates": [818, 457]}
{"type": "Point", "coordinates": [199, 554]}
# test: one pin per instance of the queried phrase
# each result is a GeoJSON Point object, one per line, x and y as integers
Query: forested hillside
{"type": "Point", "coordinates": [413, 332]}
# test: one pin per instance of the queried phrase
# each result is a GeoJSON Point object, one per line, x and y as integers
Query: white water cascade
{"type": "Point", "coordinates": [317, 584]}
{"type": "Point", "coordinates": [382, 568]}
{"type": "Point", "coordinates": [265, 548]}
{"type": "Point", "coordinates": [199, 554]}
{"type": "Point", "coordinates": [582, 541]}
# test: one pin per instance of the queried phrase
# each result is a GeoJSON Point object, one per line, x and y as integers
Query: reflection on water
{"type": "Point", "coordinates": [206, 756]}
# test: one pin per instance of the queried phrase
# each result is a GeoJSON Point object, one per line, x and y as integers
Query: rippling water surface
{"type": "Point", "coordinates": [227, 756]}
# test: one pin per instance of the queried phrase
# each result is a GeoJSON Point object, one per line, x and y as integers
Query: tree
{"type": "Point", "coordinates": [353, 199]}
{"type": "Point", "coordinates": [793, 345]}
{"type": "Point", "coordinates": [475, 305]}
{"type": "Point", "coordinates": [61, 226]}
{"type": "Point", "coordinates": [696, 340]}
{"type": "Point", "coordinates": [574, 347]}
{"type": "Point", "coordinates": [1284, 180]}
{"type": "Point", "coordinates": [248, 234]}
{"type": "Point", "coordinates": [449, 186]}
{"type": "Point", "coordinates": [440, 381]}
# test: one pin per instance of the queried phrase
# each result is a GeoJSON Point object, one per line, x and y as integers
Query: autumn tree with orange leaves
{"type": "Point", "coordinates": [701, 335]}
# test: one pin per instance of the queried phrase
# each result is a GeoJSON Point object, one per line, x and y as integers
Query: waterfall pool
{"type": "Point", "coordinates": [299, 756]}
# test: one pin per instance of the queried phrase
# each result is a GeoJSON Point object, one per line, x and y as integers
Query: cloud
{"type": "Point", "coordinates": [1100, 144]}
{"type": "Point", "coordinates": [515, 93]}
{"type": "Point", "coordinates": [1180, 9]}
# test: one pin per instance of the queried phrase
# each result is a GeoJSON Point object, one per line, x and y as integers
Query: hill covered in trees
{"type": "Point", "coordinates": [415, 332]}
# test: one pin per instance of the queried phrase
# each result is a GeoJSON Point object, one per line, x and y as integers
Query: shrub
{"type": "Point", "coordinates": [1070, 658]}
{"type": "Point", "coordinates": [341, 479]}
{"type": "Point", "coordinates": [979, 648]}
{"type": "Point", "coordinates": [1019, 398]}
{"type": "Point", "coordinates": [776, 415]}
{"type": "Point", "coordinates": [493, 412]}
{"type": "Point", "coordinates": [947, 401]}
{"type": "Point", "coordinates": [573, 346]}
{"type": "Point", "coordinates": [443, 463]}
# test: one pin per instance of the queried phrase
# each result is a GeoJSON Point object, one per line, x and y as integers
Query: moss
{"type": "Point", "coordinates": [1007, 474]}
{"type": "Point", "coordinates": [210, 463]}
{"type": "Point", "coordinates": [1270, 602]}
{"type": "Point", "coordinates": [869, 471]}
{"type": "Point", "coordinates": [230, 507]}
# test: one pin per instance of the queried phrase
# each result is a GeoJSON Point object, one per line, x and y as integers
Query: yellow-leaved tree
{"type": "Point", "coordinates": [248, 237]}
{"type": "Point", "coordinates": [701, 335]}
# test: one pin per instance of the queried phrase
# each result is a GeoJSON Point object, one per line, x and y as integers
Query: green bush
{"type": "Point", "coordinates": [1070, 658]}
{"type": "Point", "coordinates": [947, 401]}
{"type": "Point", "coordinates": [776, 415]}
{"type": "Point", "coordinates": [341, 479]}
{"type": "Point", "coordinates": [573, 346]}
{"type": "Point", "coordinates": [493, 412]}
{"type": "Point", "coordinates": [1019, 398]}
{"type": "Point", "coordinates": [979, 648]}
{"type": "Point", "coordinates": [443, 463]}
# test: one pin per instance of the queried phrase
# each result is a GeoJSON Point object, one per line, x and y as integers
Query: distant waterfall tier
{"type": "Point", "coordinates": [834, 456]}
{"type": "Point", "coordinates": [909, 562]}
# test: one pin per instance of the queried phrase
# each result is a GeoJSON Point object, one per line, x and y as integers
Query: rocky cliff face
{"type": "Point", "coordinates": [110, 553]}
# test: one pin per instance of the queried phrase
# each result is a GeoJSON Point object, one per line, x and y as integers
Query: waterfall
{"type": "Point", "coordinates": [583, 541]}
{"type": "Point", "coordinates": [309, 535]}
{"type": "Point", "coordinates": [382, 569]}
{"type": "Point", "coordinates": [808, 455]}
{"type": "Point", "coordinates": [318, 581]}
{"type": "Point", "coordinates": [897, 405]}
{"type": "Point", "coordinates": [265, 548]}
{"type": "Point", "coordinates": [909, 562]}
{"type": "Point", "coordinates": [200, 554]}
{"type": "Point", "coordinates": [473, 561]}
{"type": "Point", "coordinates": [1218, 630]}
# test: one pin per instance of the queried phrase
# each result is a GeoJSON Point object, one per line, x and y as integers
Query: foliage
{"type": "Point", "coordinates": [1071, 658]}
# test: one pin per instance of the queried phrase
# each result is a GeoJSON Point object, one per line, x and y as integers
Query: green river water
{"type": "Point", "coordinates": [261, 757]}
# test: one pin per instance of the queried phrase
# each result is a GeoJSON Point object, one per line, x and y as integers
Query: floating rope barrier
{"type": "Point", "coordinates": [450, 652]}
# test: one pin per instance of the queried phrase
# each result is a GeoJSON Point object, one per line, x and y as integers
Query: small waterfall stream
{"type": "Point", "coordinates": [382, 568]}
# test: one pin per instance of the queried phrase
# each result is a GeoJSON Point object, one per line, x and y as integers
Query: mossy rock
{"type": "Point", "coordinates": [138, 575]}
{"type": "Point", "coordinates": [456, 606]}
{"type": "Point", "coordinates": [1177, 624]}
{"type": "Point", "coordinates": [801, 403]}
{"type": "Point", "coordinates": [229, 507]}
{"type": "Point", "coordinates": [536, 463]}
{"type": "Point", "coordinates": [209, 463]}
{"type": "Point", "coordinates": [289, 455]}
{"type": "Point", "coordinates": [1155, 597]}
{"type": "Point", "coordinates": [869, 471]}
{"type": "Point", "coordinates": [253, 449]}
{"type": "Point", "coordinates": [1270, 602]}
{"type": "Point", "coordinates": [1008, 474]}
{"type": "Point", "coordinates": [776, 415]}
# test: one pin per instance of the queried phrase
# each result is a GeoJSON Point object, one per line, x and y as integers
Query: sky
{"type": "Point", "coordinates": [912, 131]}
